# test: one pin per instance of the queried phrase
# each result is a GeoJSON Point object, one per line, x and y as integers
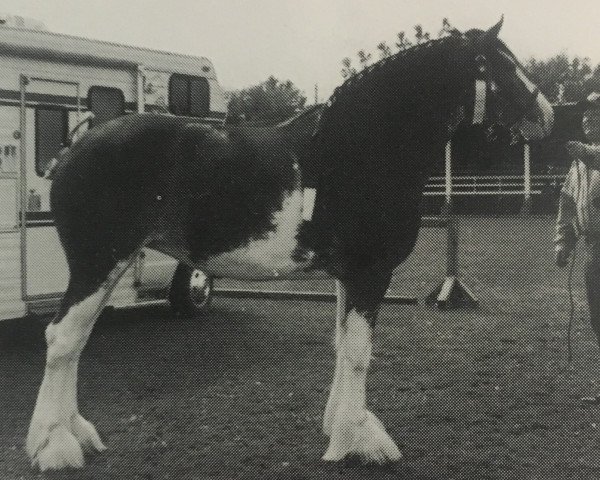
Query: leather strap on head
{"type": "Point", "coordinates": [479, 102]}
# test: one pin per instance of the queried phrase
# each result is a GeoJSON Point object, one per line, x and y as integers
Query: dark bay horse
{"type": "Point", "coordinates": [336, 189]}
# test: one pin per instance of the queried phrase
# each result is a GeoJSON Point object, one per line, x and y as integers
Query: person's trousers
{"type": "Point", "coordinates": [592, 283]}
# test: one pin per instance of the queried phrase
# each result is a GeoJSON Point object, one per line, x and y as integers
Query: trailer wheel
{"type": "Point", "coordinates": [191, 291]}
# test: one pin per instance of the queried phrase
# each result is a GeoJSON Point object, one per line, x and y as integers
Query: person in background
{"type": "Point", "coordinates": [579, 208]}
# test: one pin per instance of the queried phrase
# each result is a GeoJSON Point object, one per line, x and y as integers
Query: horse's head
{"type": "Point", "coordinates": [502, 94]}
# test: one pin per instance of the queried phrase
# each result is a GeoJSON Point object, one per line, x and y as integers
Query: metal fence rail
{"type": "Point", "coordinates": [491, 185]}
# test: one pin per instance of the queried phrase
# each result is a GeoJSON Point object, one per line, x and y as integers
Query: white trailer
{"type": "Point", "coordinates": [49, 84]}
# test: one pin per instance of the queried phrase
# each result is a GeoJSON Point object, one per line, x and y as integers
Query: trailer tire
{"type": "Point", "coordinates": [191, 291]}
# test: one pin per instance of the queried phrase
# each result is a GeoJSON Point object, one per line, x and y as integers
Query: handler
{"type": "Point", "coordinates": [579, 208]}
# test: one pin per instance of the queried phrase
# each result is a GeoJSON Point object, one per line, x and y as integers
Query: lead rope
{"type": "Point", "coordinates": [571, 305]}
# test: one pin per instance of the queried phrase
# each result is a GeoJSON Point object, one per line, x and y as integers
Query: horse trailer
{"type": "Point", "coordinates": [53, 88]}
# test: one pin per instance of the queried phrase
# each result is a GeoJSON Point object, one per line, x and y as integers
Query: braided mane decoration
{"type": "Point", "coordinates": [408, 57]}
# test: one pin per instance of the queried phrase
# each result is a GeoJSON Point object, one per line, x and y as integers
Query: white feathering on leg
{"type": "Point", "coordinates": [334, 394]}
{"type": "Point", "coordinates": [58, 434]}
{"type": "Point", "coordinates": [87, 435]}
{"type": "Point", "coordinates": [355, 430]}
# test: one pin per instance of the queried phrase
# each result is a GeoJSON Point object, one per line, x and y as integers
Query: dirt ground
{"type": "Point", "coordinates": [239, 394]}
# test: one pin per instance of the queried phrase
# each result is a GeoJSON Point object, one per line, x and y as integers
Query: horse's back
{"type": "Point", "coordinates": [143, 178]}
{"type": "Point", "coordinates": [124, 152]}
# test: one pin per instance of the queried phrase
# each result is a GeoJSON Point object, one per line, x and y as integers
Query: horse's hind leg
{"type": "Point", "coordinates": [58, 434]}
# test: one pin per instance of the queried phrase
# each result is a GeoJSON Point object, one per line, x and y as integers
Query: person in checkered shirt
{"type": "Point", "coordinates": [579, 208]}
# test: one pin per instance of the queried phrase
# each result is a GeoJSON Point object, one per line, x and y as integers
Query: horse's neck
{"type": "Point", "coordinates": [411, 120]}
{"type": "Point", "coordinates": [395, 116]}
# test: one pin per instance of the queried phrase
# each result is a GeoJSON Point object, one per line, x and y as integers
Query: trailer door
{"type": "Point", "coordinates": [47, 105]}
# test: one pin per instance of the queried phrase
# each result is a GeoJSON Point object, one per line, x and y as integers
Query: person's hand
{"type": "Point", "coordinates": [588, 154]}
{"type": "Point", "coordinates": [562, 257]}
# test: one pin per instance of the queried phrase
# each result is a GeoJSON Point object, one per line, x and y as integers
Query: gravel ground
{"type": "Point", "coordinates": [239, 394]}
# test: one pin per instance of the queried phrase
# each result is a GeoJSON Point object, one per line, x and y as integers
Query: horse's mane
{"type": "Point", "coordinates": [386, 64]}
{"type": "Point", "coordinates": [401, 59]}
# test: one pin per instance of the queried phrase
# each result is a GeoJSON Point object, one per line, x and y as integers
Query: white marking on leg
{"type": "Point", "coordinates": [308, 203]}
{"type": "Point", "coordinates": [355, 430]}
{"type": "Point", "coordinates": [57, 432]}
{"type": "Point", "coordinates": [50, 442]}
{"type": "Point", "coordinates": [334, 394]}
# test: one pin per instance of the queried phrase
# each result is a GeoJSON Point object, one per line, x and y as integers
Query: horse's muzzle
{"type": "Point", "coordinates": [538, 123]}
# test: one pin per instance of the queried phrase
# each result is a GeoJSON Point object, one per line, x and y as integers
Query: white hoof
{"type": "Point", "coordinates": [366, 439]}
{"type": "Point", "coordinates": [87, 435]}
{"type": "Point", "coordinates": [59, 449]}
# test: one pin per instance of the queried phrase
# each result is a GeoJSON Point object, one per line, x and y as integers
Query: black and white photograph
{"type": "Point", "coordinates": [299, 240]}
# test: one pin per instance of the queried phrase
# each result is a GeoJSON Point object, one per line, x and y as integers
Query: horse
{"type": "Point", "coordinates": [335, 190]}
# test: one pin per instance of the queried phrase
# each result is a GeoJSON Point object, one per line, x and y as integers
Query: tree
{"type": "Point", "coordinates": [564, 79]}
{"type": "Point", "coordinates": [266, 103]}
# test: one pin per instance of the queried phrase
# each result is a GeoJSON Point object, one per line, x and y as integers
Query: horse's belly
{"type": "Point", "coordinates": [245, 265]}
{"type": "Point", "coordinates": [275, 255]}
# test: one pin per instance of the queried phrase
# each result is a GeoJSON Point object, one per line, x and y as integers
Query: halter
{"type": "Point", "coordinates": [481, 81]}
{"type": "Point", "coordinates": [481, 87]}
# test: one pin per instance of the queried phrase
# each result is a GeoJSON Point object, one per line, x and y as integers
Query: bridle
{"type": "Point", "coordinates": [481, 87]}
{"type": "Point", "coordinates": [483, 83]}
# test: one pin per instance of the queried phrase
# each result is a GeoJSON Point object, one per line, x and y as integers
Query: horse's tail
{"type": "Point", "coordinates": [51, 169]}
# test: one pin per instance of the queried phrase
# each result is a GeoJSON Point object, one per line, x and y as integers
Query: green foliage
{"type": "Point", "coordinates": [267, 103]}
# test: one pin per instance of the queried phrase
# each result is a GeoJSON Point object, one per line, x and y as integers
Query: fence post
{"type": "Point", "coordinates": [451, 247]}
{"type": "Point", "coordinates": [526, 207]}
{"type": "Point", "coordinates": [452, 292]}
{"type": "Point", "coordinates": [447, 207]}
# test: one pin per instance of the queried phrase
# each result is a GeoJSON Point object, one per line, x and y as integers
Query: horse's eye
{"type": "Point", "coordinates": [481, 63]}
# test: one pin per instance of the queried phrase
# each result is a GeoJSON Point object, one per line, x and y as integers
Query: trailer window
{"type": "Point", "coordinates": [51, 131]}
{"type": "Point", "coordinates": [189, 95]}
{"type": "Point", "coordinates": [105, 103]}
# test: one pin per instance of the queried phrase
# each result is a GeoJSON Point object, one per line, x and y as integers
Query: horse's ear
{"type": "Point", "coordinates": [492, 34]}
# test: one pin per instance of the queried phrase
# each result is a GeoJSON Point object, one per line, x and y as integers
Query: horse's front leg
{"type": "Point", "coordinates": [353, 429]}
{"type": "Point", "coordinates": [335, 392]}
